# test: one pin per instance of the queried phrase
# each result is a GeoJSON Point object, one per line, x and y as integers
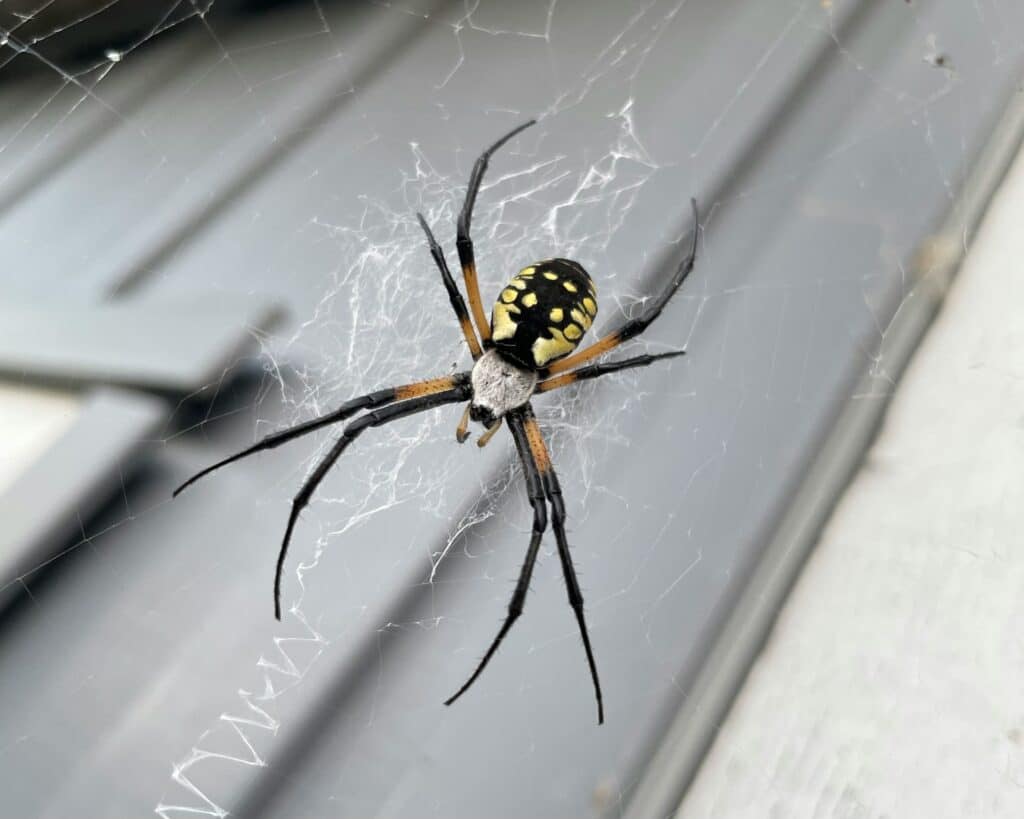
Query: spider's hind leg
{"type": "Point", "coordinates": [464, 242]}
{"type": "Point", "coordinates": [605, 367]}
{"type": "Point", "coordinates": [454, 296]}
{"type": "Point", "coordinates": [635, 326]}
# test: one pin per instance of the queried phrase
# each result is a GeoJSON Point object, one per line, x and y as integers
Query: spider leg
{"type": "Point", "coordinates": [463, 241]}
{"type": "Point", "coordinates": [634, 326]}
{"type": "Point", "coordinates": [553, 491]}
{"type": "Point", "coordinates": [605, 367]}
{"type": "Point", "coordinates": [454, 296]}
{"type": "Point", "coordinates": [346, 410]}
{"type": "Point", "coordinates": [535, 492]}
{"type": "Point", "coordinates": [375, 418]}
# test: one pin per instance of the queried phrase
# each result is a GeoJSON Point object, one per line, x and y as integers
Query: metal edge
{"type": "Point", "coordinates": [74, 477]}
{"type": "Point", "coordinates": [326, 98]}
{"type": "Point", "coordinates": [734, 649]}
{"type": "Point", "coordinates": [87, 355]}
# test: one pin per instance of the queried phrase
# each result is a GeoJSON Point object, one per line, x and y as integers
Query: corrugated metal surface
{"type": "Point", "coordinates": [284, 157]}
{"type": "Point", "coordinates": [890, 685]}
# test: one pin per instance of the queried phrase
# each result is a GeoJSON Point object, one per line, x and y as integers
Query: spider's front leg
{"type": "Point", "coordinates": [535, 491]}
{"type": "Point", "coordinates": [549, 480]}
{"type": "Point", "coordinates": [541, 483]}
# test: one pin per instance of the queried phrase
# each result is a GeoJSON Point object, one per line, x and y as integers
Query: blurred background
{"type": "Point", "coordinates": [207, 227]}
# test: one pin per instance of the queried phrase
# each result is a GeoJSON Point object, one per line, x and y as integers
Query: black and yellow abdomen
{"type": "Point", "coordinates": [542, 314]}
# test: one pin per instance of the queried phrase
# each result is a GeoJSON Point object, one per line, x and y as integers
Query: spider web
{"type": "Point", "coordinates": [194, 100]}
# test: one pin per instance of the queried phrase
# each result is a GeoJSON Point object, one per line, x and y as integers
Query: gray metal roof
{"type": "Point", "coordinates": [274, 163]}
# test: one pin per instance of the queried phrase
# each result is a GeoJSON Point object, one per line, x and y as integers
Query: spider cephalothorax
{"type": "Point", "coordinates": [499, 386]}
{"type": "Point", "coordinates": [528, 347]}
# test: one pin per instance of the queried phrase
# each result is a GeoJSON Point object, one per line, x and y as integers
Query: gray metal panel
{"type": "Point", "coordinates": [49, 121]}
{"type": "Point", "coordinates": [63, 488]}
{"type": "Point", "coordinates": [839, 460]}
{"type": "Point", "coordinates": [162, 177]}
{"type": "Point", "coordinates": [818, 180]}
{"type": "Point", "coordinates": [179, 346]}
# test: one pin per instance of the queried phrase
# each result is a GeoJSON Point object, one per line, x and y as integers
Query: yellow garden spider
{"type": "Point", "coordinates": [526, 348]}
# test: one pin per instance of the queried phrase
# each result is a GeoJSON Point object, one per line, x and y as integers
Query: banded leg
{"type": "Point", "coordinates": [605, 367]}
{"type": "Point", "coordinates": [349, 408]}
{"type": "Point", "coordinates": [535, 491]}
{"type": "Point", "coordinates": [454, 296]}
{"type": "Point", "coordinates": [554, 495]}
{"type": "Point", "coordinates": [375, 418]}
{"type": "Point", "coordinates": [465, 244]}
{"type": "Point", "coordinates": [633, 327]}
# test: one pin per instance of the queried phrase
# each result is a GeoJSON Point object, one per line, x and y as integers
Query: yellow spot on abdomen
{"type": "Point", "coordinates": [570, 287]}
{"type": "Point", "coordinates": [503, 325]}
{"type": "Point", "coordinates": [590, 306]}
{"type": "Point", "coordinates": [517, 283]}
{"type": "Point", "coordinates": [546, 349]}
{"type": "Point", "coordinates": [529, 300]}
{"type": "Point", "coordinates": [557, 315]}
{"type": "Point", "coordinates": [573, 331]}
{"type": "Point", "coordinates": [550, 276]}
{"type": "Point", "coordinates": [581, 318]}
{"type": "Point", "coordinates": [508, 295]}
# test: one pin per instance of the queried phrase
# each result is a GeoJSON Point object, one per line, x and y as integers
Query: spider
{"type": "Point", "coordinates": [528, 347]}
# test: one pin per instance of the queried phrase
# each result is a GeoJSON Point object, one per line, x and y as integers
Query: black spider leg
{"type": "Point", "coordinates": [572, 585]}
{"type": "Point", "coordinates": [635, 326]}
{"type": "Point", "coordinates": [454, 296]}
{"type": "Point", "coordinates": [346, 410]}
{"type": "Point", "coordinates": [374, 418]}
{"type": "Point", "coordinates": [464, 243]}
{"type": "Point", "coordinates": [605, 367]}
{"type": "Point", "coordinates": [535, 492]}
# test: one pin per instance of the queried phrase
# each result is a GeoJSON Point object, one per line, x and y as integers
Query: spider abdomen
{"type": "Point", "coordinates": [542, 314]}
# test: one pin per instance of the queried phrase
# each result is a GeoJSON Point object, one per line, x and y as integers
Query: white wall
{"type": "Point", "coordinates": [893, 683]}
